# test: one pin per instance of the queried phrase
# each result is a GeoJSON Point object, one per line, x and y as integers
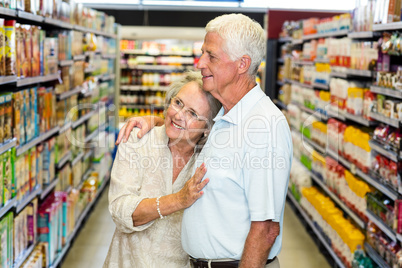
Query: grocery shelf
{"type": "Point", "coordinates": [378, 185]}
{"type": "Point", "coordinates": [29, 16]}
{"type": "Point", "coordinates": [77, 158]}
{"type": "Point", "coordinates": [280, 104]}
{"type": "Point", "coordinates": [361, 35]}
{"type": "Point", "coordinates": [339, 115]}
{"type": "Point", "coordinates": [380, 224]}
{"type": "Point", "coordinates": [339, 158]}
{"type": "Point", "coordinates": [7, 207]}
{"type": "Point", "coordinates": [23, 257]}
{"type": "Point", "coordinates": [154, 67]}
{"type": "Point", "coordinates": [321, 61]}
{"type": "Point", "coordinates": [66, 158]}
{"type": "Point", "coordinates": [107, 77]}
{"type": "Point", "coordinates": [372, 181]}
{"type": "Point", "coordinates": [137, 106]}
{"type": "Point", "coordinates": [66, 126]}
{"type": "Point", "coordinates": [323, 35]}
{"type": "Point", "coordinates": [48, 188]}
{"type": "Point", "coordinates": [42, 137]}
{"type": "Point", "coordinates": [82, 120]}
{"type": "Point", "coordinates": [353, 72]}
{"type": "Point", "coordinates": [280, 60]}
{"type": "Point", "coordinates": [375, 256]}
{"type": "Point", "coordinates": [317, 232]}
{"type": "Point", "coordinates": [63, 63]}
{"type": "Point", "coordinates": [301, 84]}
{"type": "Point", "coordinates": [387, 26]}
{"type": "Point", "coordinates": [21, 82]}
{"type": "Point", "coordinates": [69, 93]}
{"type": "Point", "coordinates": [79, 57]}
{"type": "Point", "coordinates": [320, 86]}
{"type": "Point", "coordinates": [339, 202]}
{"type": "Point", "coordinates": [92, 135]}
{"type": "Point", "coordinates": [383, 119]}
{"type": "Point", "coordinates": [109, 56]}
{"type": "Point", "coordinates": [280, 83]}
{"type": "Point", "coordinates": [387, 91]}
{"type": "Point", "coordinates": [338, 74]}
{"type": "Point", "coordinates": [285, 39]}
{"type": "Point", "coordinates": [59, 23]}
{"type": "Point", "coordinates": [143, 88]}
{"type": "Point", "coordinates": [297, 41]}
{"type": "Point", "coordinates": [380, 149]}
{"type": "Point", "coordinates": [303, 62]}
{"type": "Point", "coordinates": [60, 256]}
{"type": "Point", "coordinates": [319, 148]}
{"type": "Point", "coordinates": [8, 12]}
{"type": "Point", "coordinates": [321, 116]}
{"type": "Point", "coordinates": [8, 79]}
{"type": "Point", "coordinates": [359, 119]}
{"type": "Point", "coordinates": [28, 199]}
{"type": "Point", "coordinates": [7, 145]}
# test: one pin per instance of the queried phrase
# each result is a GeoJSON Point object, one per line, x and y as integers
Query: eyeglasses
{"type": "Point", "coordinates": [189, 114]}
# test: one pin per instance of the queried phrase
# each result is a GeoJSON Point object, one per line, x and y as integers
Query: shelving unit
{"type": "Point", "coordinates": [22, 149]}
{"type": "Point", "coordinates": [147, 69]}
{"type": "Point", "coordinates": [367, 77]}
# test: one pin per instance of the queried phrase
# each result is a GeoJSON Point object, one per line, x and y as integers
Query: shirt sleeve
{"type": "Point", "coordinates": [267, 174]}
{"type": "Point", "coordinates": [125, 187]}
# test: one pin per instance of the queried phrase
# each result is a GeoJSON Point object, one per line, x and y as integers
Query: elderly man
{"type": "Point", "coordinates": [248, 155]}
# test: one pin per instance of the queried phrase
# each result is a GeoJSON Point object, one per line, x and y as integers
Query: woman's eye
{"type": "Point", "coordinates": [193, 114]}
{"type": "Point", "coordinates": [177, 102]}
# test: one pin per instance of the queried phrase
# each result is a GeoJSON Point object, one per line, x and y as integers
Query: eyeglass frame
{"type": "Point", "coordinates": [187, 111]}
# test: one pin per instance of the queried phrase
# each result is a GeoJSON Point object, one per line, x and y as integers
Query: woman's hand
{"type": "Point", "coordinates": [192, 190]}
{"type": "Point", "coordinates": [145, 124]}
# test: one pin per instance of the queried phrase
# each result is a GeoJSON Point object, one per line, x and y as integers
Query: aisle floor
{"type": "Point", "coordinates": [90, 247]}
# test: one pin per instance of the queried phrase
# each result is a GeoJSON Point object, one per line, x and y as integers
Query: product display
{"type": "Point", "coordinates": [342, 98]}
{"type": "Point", "coordinates": [147, 70]}
{"type": "Point", "coordinates": [49, 182]}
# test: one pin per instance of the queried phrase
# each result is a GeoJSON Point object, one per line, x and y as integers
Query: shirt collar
{"type": "Point", "coordinates": [241, 108]}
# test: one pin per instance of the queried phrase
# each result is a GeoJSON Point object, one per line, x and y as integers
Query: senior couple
{"type": "Point", "coordinates": [200, 188]}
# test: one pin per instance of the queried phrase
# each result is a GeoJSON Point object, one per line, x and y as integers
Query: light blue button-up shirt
{"type": "Point", "coordinates": [248, 157]}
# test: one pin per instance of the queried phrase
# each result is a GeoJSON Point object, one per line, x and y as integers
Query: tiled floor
{"type": "Point", "coordinates": [90, 247]}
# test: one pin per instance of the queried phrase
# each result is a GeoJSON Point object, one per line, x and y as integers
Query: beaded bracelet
{"type": "Point", "coordinates": [157, 207]}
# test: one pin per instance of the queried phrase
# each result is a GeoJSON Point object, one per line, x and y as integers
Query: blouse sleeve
{"type": "Point", "coordinates": [125, 186]}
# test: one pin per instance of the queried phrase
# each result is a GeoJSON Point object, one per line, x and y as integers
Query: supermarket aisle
{"type": "Point", "coordinates": [90, 248]}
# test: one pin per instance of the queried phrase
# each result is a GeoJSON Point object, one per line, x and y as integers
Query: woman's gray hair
{"type": "Point", "coordinates": [214, 104]}
{"type": "Point", "coordinates": [242, 36]}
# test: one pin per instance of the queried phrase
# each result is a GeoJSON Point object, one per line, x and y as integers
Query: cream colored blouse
{"type": "Point", "coordinates": [144, 169]}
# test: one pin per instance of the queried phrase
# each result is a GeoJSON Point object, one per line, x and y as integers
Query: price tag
{"type": "Point", "coordinates": [353, 169]}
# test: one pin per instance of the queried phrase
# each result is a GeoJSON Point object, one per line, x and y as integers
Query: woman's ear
{"type": "Point", "coordinates": [245, 62]}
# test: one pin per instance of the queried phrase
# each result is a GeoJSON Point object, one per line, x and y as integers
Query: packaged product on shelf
{"type": "Point", "coordinates": [48, 168]}
{"type": "Point", "coordinates": [6, 240]}
{"type": "Point", "coordinates": [32, 210]}
{"type": "Point", "coordinates": [35, 59]}
{"type": "Point", "coordinates": [20, 51]}
{"type": "Point", "coordinates": [32, 169]}
{"type": "Point", "coordinates": [2, 49]}
{"type": "Point", "coordinates": [10, 47]}
{"type": "Point", "coordinates": [42, 36]}
{"type": "Point", "coordinates": [50, 55]}
{"type": "Point", "coordinates": [8, 113]}
{"type": "Point", "coordinates": [2, 121]}
{"type": "Point", "coordinates": [7, 176]}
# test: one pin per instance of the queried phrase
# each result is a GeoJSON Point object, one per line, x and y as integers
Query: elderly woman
{"type": "Point", "coordinates": [150, 181]}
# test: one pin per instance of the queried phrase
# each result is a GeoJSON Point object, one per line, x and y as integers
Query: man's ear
{"type": "Point", "coordinates": [244, 64]}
